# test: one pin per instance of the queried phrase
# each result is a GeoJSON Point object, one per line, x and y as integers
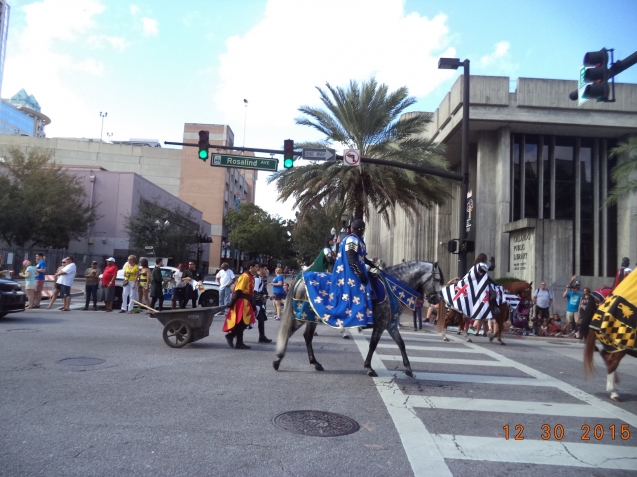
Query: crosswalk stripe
{"type": "Point", "coordinates": [440, 349]}
{"type": "Point", "coordinates": [464, 362]}
{"type": "Point", "coordinates": [508, 406]}
{"type": "Point", "coordinates": [531, 451]}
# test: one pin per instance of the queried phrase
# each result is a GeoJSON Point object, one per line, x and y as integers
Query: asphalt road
{"type": "Point", "coordinates": [207, 409]}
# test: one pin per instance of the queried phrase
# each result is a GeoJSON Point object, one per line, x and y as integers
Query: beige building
{"type": "Point", "coordinates": [539, 172]}
{"type": "Point", "coordinates": [211, 190]}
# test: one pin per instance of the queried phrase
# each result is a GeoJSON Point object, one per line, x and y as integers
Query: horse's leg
{"type": "Point", "coordinates": [377, 330]}
{"type": "Point", "coordinates": [395, 334]}
{"type": "Point", "coordinates": [501, 320]}
{"type": "Point", "coordinates": [465, 320]}
{"type": "Point", "coordinates": [287, 328]}
{"type": "Point", "coordinates": [309, 336]}
{"type": "Point", "coordinates": [612, 362]}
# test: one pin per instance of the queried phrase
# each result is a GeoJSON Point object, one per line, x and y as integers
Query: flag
{"type": "Point", "coordinates": [470, 296]}
{"type": "Point", "coordinates": [615, 321]}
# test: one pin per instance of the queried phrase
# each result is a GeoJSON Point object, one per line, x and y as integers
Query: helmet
{"type": "Point", "coordinates": [357, 226]}
{"type": "Point", "coordinates": [483, 267]}
{"type": "Point", "coordinates": [577, 283]}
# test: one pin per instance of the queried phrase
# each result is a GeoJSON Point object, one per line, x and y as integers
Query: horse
{"type": "Point", "coordinates": [523, 289]}
{"type": "Point", "coordinates": [421, 276]}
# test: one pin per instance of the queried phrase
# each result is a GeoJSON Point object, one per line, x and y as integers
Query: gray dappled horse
{"type": "Point", "coordinates": [424, 277]}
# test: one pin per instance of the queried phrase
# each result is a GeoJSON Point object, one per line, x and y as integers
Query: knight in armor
{"type": "Point", "coordinates": [622, 271]}
{"type": "Point", "coordinates": [324, 262]}
{"type": "Point", "coordinates": [481, 268]}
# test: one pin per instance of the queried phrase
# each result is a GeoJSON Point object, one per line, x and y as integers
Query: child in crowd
{"type": "Point", "coordinates": [555, 327]}
{"type": "Point", "coordinates": [544, 331]}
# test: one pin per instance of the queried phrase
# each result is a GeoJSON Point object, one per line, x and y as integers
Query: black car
{"type": "Point", "coordinates": [12, 298]}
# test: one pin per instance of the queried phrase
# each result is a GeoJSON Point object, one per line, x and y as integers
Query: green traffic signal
{"type": "Point", "coordinates": [288, 163]}
{"type": "Point", "coordinates": [204, 144]}
{"type": "Point", "coordinates": [203, 154]}
{"type": "Point", "coordinates": [288, 153]}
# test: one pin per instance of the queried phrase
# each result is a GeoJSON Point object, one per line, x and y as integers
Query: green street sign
{"type": "Point", "coordinates": [581, 86]}
{"type": "Point", "coordinates": [244, 162]}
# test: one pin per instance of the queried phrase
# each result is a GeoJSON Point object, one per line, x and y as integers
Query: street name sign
{"type": "Point", "coordinates": [581, 86]}
{"type": "Point", "coordinates": [315, 154]}
{"type": "Point", "coordinates": [351, 157]}
{"type": "Point", "coordinates": [244, 162]}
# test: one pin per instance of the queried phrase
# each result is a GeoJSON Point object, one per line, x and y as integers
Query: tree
{"type": "Point", "coordinates": [41, 204]}
{"type": "Point", "coordinates": [255, 232]}
{"type": "Point", "coordinates": [621, 172]}
{"type": "Point", "coordinates": [366, 118]}
{"type": "Point", "coordinates": [148, 227]}
{"type": "Point", "coordinates": [311, 231]}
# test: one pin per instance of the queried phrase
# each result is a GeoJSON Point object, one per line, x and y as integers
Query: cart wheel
{"type": "Point", "coordinates": [177, 333]}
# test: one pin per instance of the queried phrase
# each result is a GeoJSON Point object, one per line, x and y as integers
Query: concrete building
{"type": "Point", "coordinates": [539, 173]}
{"type": "Point", "coordinates": [117, 195]}
{"type": "Point", "coordinates": [212, 190]}
{"type": "Point", "coordinates": [5, 11]}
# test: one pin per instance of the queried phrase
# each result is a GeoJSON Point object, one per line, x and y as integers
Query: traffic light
{"type": "Point", "coordinates": [204, 143]}
{"type": "Point", "coordinates": [597, 75]}
{"type": "Point", "coordinates": [288, 153]}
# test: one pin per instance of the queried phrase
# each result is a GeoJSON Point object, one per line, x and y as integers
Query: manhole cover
{"type": "Point", "coordinates": [316, 423]}
{"type": "Point", "coordinates": [81, 361]}
{"type": "Point", "coordinates": [22, 330]}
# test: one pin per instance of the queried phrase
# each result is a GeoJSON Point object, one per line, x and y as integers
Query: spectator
{"type": "Point", "coordinates": [432, 314]}
{"type": "Point", "coordinates": [192, 275]}
{"type": "Point", "coordinates": [260, 300]}
{"type": "Point", "coordinates": [157, 285]}
{"type": "Point", "coordinates": [278, 292]}
{"type": "Point", "coordinates": [543, 299]}
{"type": "Point", "coordinates": [65, 279]}
{"type": "Point", "coordinates": [131, 275]}
{"type": "Point", "coordinates": [40, 268]}
{"type": "Point", "coordinates": [56, 291]}
{"type": "Point", "coordinates": [144, 282]}
{"type": "Point", "coordinates": [554, 327]}
{"type": "Point", "coordinates": [225, 278]}
{"type": "Point", "coordinates": [583, 304]}
{"type": "Point", "coordinates": [418, 313]}
{"type": "Point", "coordinates": [179, 289]}
{"type": "Point", "coordinates": [108, 283]}
{"type": "Point", "coordinates": [92, 276]}
{"type": "Point", "coordinates": [29, 273]}
{"type": "Point", "coordinates": [573, 296]}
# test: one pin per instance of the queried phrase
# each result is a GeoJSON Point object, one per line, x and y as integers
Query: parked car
{"type": "Point", "coordinates": [209, 298]}
{"type": "Point", "coordinates": [13, 299]}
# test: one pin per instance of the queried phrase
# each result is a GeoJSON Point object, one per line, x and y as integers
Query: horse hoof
{"type": "Point", "coordinates": [318, 367]}
{"type": "Point", "coordinates": [469, 340]}
{"type": "Point", "coordinates": [459, 333]}
{"type": "Point", "coordinates": [409, 373]}
{"type": "Point", "coordinates": [502, 343]}
{"type": "Point", "coordinates": [491, 336]}
{"type": "Point", "coordinates": [372, 373]}
{"type": "Point", "coordinates": [276, 364]}
{"type": "Point", "coordinates": [615, 397]}
{"type": "Point", "coordinates": [445, 339]}
{"type": "Point", "coordinates": [345, 337]}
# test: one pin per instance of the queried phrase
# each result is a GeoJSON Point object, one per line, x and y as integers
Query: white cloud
{"type": "Point", "coordinates": [100, 41]}
{"type": "Point", "coordinates": [277, 68]}
{"type": "Point", "coordinates": [499, 61]}
{"type": "Point", "coordinates": [150, 26]}
{"type": "Point", "coordinates": [33, 60]}
{"type": "Point", "coordinates": [134, 9]}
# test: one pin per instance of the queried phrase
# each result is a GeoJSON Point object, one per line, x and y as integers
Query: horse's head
{"type": "Point", "coordinates": [424, 277]}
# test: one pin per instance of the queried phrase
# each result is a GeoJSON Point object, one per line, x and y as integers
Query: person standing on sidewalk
{"type": "Point", "coordinates": [131, 274]}
{"type": "Point", "coordinates": [57, 287]}
{"type": "Point", "coordinates": [573, 296]}
{"type": "Point", "coordinates": [418, 313]}
{"type": "Point", "coordinates": [108, 283]}
{"type": "Point", "coordinates": [65, 279]}
{"type": "Point", "coordinates": [40, 268]}
{"type": "Point", "coordinates": [92, 276]}
{"type": "Point", "coordinates": [240, 310]}
{"type": "Point", "coordinates": [543, 299]}
{"type": "Point", "coordinates": [192, 275]}
{"type": "Point", "coordinates": [178, 299]}
{"type": "Point", "coordinates": [157, 285]}
{"type": "Point", "coordinates": [278, 292]}
{"type": "Point", "coordinates": [144, 283]}
{"type": "Point", "coordinates": [28, 273]}
{"type": "Point", "coordinates": [225, 278]}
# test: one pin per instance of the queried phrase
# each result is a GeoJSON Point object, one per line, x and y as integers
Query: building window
{"type": "Point", "coordinates": [531, 182]}
{"type": "Point", "coordinates": [564, 178]}
{"type": "Point", "coordinates": [587, 239]}
{"type": "Point", "coordinates": [515, 168]}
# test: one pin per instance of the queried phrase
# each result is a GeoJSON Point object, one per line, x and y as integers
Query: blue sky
{"type": "Point", "coordinates": [153, 65]}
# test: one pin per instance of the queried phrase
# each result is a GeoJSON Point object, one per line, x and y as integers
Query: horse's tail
{"type": "Point", "coordinates": [287, 321]}
{"type": "Point", "coordinates": [589, 350]}
{"type": "Point", "coordinates": [442, 316]}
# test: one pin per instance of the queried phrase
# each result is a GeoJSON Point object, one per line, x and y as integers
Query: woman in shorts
{"type": "Point", "coordinates": [278, 291]}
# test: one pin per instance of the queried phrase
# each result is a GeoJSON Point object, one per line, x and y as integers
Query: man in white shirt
{"type": "Point", "coordinates": [225, 278]}
{"type": "Point", "coordinates": [65, 278]}
{"type": "Point", "coordinates": [179, 289]}
{"type": "Point", "coordinates": [543, 299]}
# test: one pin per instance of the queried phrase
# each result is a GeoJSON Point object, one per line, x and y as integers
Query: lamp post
{"type": "Point", "coordinates": [102, 115]}
{"type": "Point", "coordinates": [454, 64]}
{"type": "Point", "coordinates": [245, 117]}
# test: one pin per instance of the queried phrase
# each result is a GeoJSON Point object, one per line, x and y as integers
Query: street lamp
{"type": "Point", "coordinates": [102, 115]}
{"type": "Point", "coordinates": [454, 64]}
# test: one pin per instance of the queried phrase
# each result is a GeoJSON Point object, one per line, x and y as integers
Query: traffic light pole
{"type": "Point", "coordinates": [454, 176]}
{"type": "Point", "coordinates": [464, 169]}
{"type": "Point", "coordinates": [614, 70]}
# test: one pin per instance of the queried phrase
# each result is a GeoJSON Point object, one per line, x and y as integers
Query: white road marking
{"type": "Point", "coordinates": [440, 349]}
{"type": "Point", "coordinates": [478, 378]}
{"type": "Point", "coordinates": [509, 406]}
{"type": "Point", "coordinates": [577, 454]}
{"type": "Point", "coordinates": [421, 450]}
{"type": "Point", "coordinates": [463, 362]}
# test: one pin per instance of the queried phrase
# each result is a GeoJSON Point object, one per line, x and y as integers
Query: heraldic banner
{"type": "Point", "coordinates": [615, 321]}
{"type": "Point", "coordinates": [470, 296]}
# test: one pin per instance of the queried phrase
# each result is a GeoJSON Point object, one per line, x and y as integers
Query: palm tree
{"type": "Point", "coordinates": [621, 172]}
{"type": "Point", "coordinates": [366, 118]}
